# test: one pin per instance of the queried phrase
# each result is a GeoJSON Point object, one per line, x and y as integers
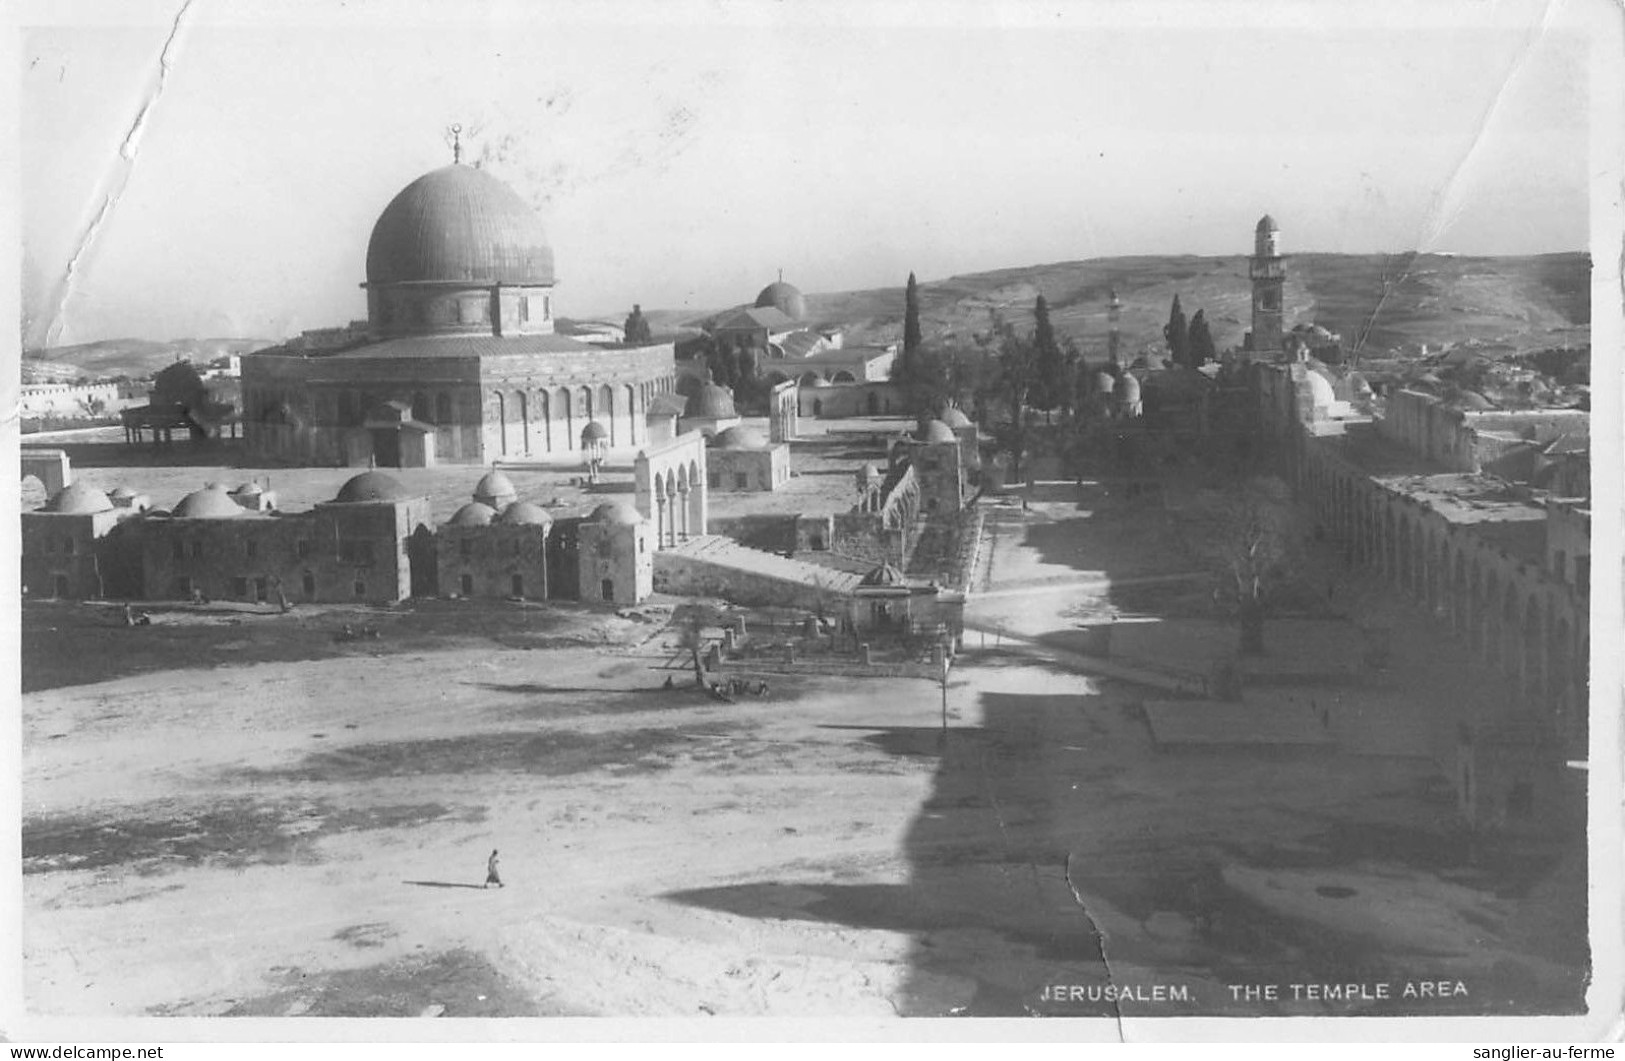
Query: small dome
{"type": "Point", "coordinates": [120, 493]}
{"type": "Point", "coordinates": [1475, 402]}
{"type": "Point", "coordinates": [247, 490]}
{"type": "Point", "coordinates": [713, 402]}
{"type": "Point", "coordinates": [1128, 388]}
{"type": "Point", "coordinates": [934, 431]}
{"type": "Point", "coordinates": [740, 438]}
{"type": "Point", "coordinates": [1267, 224]}
{"type": "Point", "coordinates": [526, 513]}
{"type": "Point", "coordinates": [594, 432]}
{"type": "Point", "coordinates": [783, 297]}
{"type": "Point", "coordinates": [79, 499]}
{"type": "Point", "coordinates": [955, 417]}
{"type": "Point", "coordinates": [1105, 382]}
{"type": "Point", "coordinates": [473, 514]}
{"type": "Point", "coordinates": [870, 470]}
{"type": "Point", "coordinates": [884, 575]}
{"type": "Point", "coordinates": [494, 490]}
{"type": "Point", "coordinates": [211, 502]}
{"type": "Point", "coordinates": [372, 486]}
{"type": "Point", "coordinates": [617, 512]}
{"type": "Point", "coordinates": [817, 381]}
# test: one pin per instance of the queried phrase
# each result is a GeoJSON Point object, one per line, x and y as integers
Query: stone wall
{"type": "Point", "coordinates": [683, 575]}
{"type": "Point", "coordinates": [863, 536]}
{"type": "Point", "coordinates": [771, 533]}
{"type": "Point", "coordinates": [483, 561]}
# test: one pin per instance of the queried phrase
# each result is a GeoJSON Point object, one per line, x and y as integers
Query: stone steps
{"type": "Point", "coordinates": [725, 552]}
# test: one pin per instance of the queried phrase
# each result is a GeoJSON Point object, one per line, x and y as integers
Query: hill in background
{"type": "Point", "coordinates": [1527, 302]}
{"type": "Point", "coordinates": [135, 358]}
{"type": "Point", "coordinates": [1397, 301]}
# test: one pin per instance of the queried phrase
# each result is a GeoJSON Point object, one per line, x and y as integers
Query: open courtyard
{"type": "Point", "coordinates": [235, 811]}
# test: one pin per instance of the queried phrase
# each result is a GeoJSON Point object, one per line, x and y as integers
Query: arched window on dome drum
{"type": "Point", "coordinates": [420, 407]}
{"type": "Point", "coordinates": [566, 415]}
{"type": "Point", "coordinates": [545, 420]}
{"type": "Point", "coordinates": [586, 405]}
{"type": "Point", "coordinates": [524, 309]}
{"type": "Point", "coordinates": [521, 422]}
{"type": "Point", "coordinates": [631, 416]}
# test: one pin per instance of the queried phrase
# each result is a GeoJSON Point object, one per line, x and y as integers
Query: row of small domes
{"type": "Point", "coordinates": [495, 491]}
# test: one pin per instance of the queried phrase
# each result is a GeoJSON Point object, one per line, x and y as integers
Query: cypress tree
{"type": "Point", "coordinates": [1049, 368]}
{"type": "Point", "coordinates": [1200, 342]}
{"type": "Point", "coordinates": [911, 323]}
{"type": "Point", "coordinates": [1177, 333]}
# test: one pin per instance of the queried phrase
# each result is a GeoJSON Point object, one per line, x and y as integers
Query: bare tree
{"type": "Point", "coordinates": [692, 637]}
{"type": "Point", "coordinates": [1247, 533]}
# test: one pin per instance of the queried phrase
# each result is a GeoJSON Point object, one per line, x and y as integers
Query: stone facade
{"type": "Point", "coordinates": [375, 550]}
{"type": "Point", "coordinates": [1465, 440]}
{"type": "Point", "coordinates": [749, 470]}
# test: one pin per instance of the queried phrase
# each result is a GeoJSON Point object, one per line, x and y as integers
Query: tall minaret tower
{"type": "Point", "coordinates": [1114, 313]}
{"type": "Point", "coordinates": [1269, 277]}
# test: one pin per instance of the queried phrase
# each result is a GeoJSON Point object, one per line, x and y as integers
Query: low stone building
{"type": "Point", "coordinates": [65, 548]}
{"type": "Point", "coordinates": [741, 460]}
{"type": "Point", "coordinates": [482, 552]}
{"type": "Point", "coordinates": [616, 555]}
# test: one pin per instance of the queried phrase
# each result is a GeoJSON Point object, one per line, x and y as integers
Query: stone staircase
{"type": "Point", "coordinates": [711, 565]}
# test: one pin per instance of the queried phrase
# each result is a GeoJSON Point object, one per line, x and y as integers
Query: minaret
{"type": "Point", "coordinates": [1269, 277]}
{"type": "Point", "coordinates": [1114, 313]}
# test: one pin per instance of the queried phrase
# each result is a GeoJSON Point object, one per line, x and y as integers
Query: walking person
{"type": "Point", "coordinates": [491, 875]}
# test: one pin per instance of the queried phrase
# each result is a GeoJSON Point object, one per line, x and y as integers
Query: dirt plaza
{"type": "Point", "coordinates": [234, 813]}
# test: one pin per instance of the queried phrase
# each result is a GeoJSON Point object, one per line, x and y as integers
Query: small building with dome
{"type": "Point", "coordinates": [710, 410]}
{"type": "Point", "coordinates": [615, 555]}
{"type": "Point", "coordinates": [458, 360]}
{"type": "Point", "coordinates": [64, 541]}
{"type": "Point", "coordinates": [741, 460]}
{"type": "Point", "coordinates": [375, 542]}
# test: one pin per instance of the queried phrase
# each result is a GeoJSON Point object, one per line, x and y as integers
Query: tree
{"type": "Point", "coordinates": [747, 375]}
{"type": "Point", "coordinates": [637, 327]}
{"type": "Point", "coordinates": [1067, 383]}
{"type": "Point", "coordinates": [1017, 358]}
{"type": "Point", "coordinates": [1178, 334]}
{"type": "Point", "coordinates": [1199, 341]}
{"type": "Point", "coordinates": [1047, 386]}
{"type": "Point", "coordinates": [911, 321]}
{"type": "Point", "coordinates": [723, 361]}
{"type": "Point", "coordinates": [1247, 534]}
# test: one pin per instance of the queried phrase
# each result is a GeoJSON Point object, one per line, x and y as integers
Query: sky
{"type": "Point", "coordinates": [218, 173]}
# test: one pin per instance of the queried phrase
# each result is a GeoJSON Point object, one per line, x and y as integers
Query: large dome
{"type": "Point", "coordinates": [458, 224]}
{"type": "Point", "coordinates": [783, 297]}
